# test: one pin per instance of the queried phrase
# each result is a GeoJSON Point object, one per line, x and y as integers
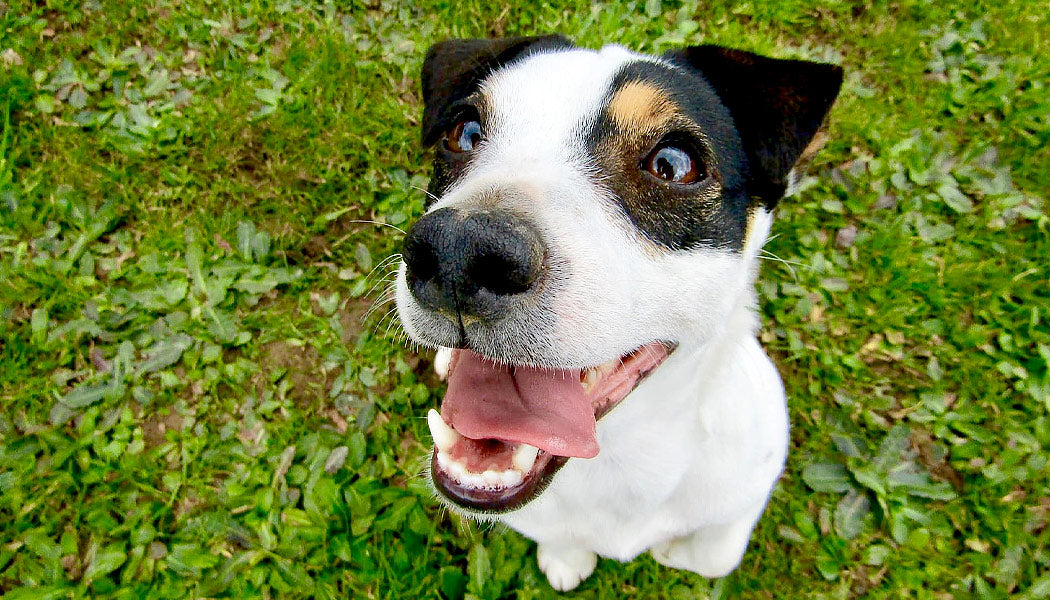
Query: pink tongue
{"type": "Point", "coordinates": [541, 407]}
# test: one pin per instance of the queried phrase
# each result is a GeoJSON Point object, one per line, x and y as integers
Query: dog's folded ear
{"type": "Point", "coordinates": [777, 105]}
{"type": "Point", "coordinates": [452, 70]}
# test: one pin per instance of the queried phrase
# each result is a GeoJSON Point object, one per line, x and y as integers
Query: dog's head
{"type": "Point", "coordinates": [591, 211]}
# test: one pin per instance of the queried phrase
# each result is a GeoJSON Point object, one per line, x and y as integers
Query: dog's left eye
{"type": "Point", "coordinates": [675, 165]}
{"type": "Point", "coordinates": [463, 136]}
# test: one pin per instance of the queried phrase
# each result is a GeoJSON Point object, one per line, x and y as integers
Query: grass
{"type": "Point", "coordinates": [194, 404]}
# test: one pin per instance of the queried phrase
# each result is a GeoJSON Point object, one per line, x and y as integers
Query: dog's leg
{"type": "Point", "coordinates": [710, 551]}
{"type": "Point", "coordinates": [565, 566]}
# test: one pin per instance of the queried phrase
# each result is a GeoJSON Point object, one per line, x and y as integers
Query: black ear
{"type": "Point", "coordinates": [452, 70]}
{"type": "Point", "coordinates": [777, 106]}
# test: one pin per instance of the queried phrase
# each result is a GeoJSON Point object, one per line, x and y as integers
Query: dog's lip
{"type": "Point", "coordinates": [496, 499]}
{"type": "Point", "coordinates": [503, 498]}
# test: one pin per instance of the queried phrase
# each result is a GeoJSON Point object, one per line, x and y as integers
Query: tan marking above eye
{"type": "Point", "coordinates": [640, 107]}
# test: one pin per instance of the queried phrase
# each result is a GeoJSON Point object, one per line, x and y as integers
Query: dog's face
{"type": "Point", "coordinates": [592, 210]}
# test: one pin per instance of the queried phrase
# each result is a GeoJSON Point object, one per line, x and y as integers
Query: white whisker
{"type": "Point", "coordinates": [370, 222]}
{"type": "Point", "coordinates": [388, 279]}
{"type": "Point", "coordinates": [383, 263]}
{"type": "Point", "coordinates": [432, 196]}
{"type": "Point", "coordinates": [767, 255]}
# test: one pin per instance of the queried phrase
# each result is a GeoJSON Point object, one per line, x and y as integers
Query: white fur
{"type": "Point", "coordinates": [688, 460]}
{"type": "Point", "coordinates": [565, 567]}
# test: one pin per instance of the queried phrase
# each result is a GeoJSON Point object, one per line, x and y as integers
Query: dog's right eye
{"type": "Point", "coordinates": [463, 137]}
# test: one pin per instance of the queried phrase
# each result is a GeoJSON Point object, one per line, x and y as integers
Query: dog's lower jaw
{"type": "Point", "coordinates": [688, 488]}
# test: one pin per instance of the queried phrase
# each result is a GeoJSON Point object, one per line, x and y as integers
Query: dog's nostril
{"type": "Point", "coordinates": [421, 260]}
{"type": "Point", "coordinates": [501, 274]}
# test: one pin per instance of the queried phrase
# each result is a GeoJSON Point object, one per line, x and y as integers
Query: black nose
{"type": "Point", "coordinates": [472, 263]}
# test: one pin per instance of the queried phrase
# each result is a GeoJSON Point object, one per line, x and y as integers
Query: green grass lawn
{"type": "Point", "coordinates": [195, 400]}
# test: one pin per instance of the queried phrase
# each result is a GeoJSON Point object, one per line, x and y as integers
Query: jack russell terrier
{"type": "Point", "coordinates": [586, 271]}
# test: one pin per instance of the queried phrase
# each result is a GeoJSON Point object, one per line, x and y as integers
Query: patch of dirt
{"type": "Point", "coordinates": [1040, 514]}
{"type": "Point", "coordinates": [939, 468]}
{"type": "Point", "coordinates": [188, 504]}
{"type": "Point", "coordinates": [351, 313]}
{"type": "Point", "coordinates": [352, 318]}
{"type": "Point", "coordinates": [154, 428]}
{"type": "Point", "coordinates": [316, 248]}
{"type": "Point", "coordinates": [302, 365]}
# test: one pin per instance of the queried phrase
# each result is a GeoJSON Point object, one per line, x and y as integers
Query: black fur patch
{"type": "Point", "coordinates": [778, 107]}
{"type": "Point", "coordinates": [711, 212]}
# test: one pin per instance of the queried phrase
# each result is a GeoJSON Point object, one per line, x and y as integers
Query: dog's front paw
{"type": "Point", "coordinates": [684, 553]}
{"type": "Point", "coordinates": [565, 567]}
{"type": "Point", "coordinates": [712, 552]}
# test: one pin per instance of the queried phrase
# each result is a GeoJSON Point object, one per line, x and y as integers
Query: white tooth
{"type": "Point", "coordinates": [444, 436]}
{"type": "Point", "coordinates": [458, 470]}
{"type": "Point", "coordinates": [590, 377]}
{"type": "Point", "coordinates": [492, 478]}
{"type": "Point", "coordinates": [524, 457]}
{"type": "Point", "coordinates": [442, 362]}
{"type": "Point", "coordinates": [511, 478]}
{"type": "Point", "coordinates": [473, 480]}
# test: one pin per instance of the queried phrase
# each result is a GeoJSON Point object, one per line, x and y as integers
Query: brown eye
{"type": "Point", "coordinates": [675, 165]}
{"type": "Point", "coordinates": [463, 137]}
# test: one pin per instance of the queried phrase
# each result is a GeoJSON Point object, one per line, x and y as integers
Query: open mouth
{"type": "Point", "coordinates": [504, 430]}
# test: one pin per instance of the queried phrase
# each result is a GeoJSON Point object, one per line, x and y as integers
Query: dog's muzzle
{"type": "Point", "coordinates": [507, 424]}
{"type": "Point", "coordinates": [472, 264]}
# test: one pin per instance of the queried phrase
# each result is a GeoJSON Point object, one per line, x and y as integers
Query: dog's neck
{"type": "Point", "coordinates": [698, 359]}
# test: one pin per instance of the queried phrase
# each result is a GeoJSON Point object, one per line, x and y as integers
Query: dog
{"type": "Point", "coordinates": [585, 270]}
